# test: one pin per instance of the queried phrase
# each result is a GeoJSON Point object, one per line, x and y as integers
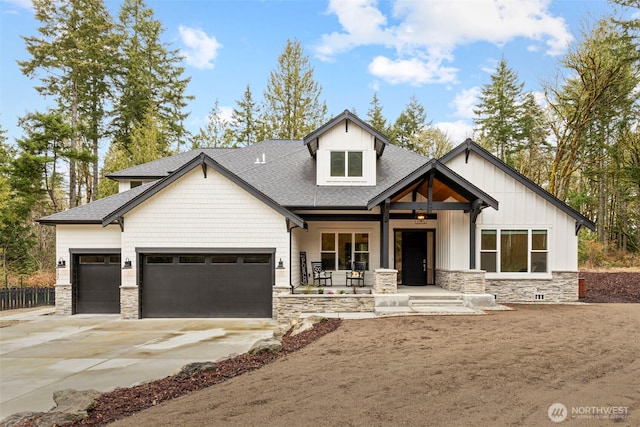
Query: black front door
{"type": "Point", "coordinates": [414, 257]}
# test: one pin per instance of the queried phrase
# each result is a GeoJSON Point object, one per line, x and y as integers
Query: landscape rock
{"type": "Point", "coordinates": [194, 368]}
{"type": "Point", "coordinates": [305, 324]}
{"type": "Point", "coordinates": [270, 345]}
{"type": "Point", "coordinates": [71, 405]}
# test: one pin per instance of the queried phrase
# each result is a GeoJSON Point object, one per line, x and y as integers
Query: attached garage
{"type": "Point", "coordinates": [96, 284]}
{"type": "Point", "coordinates": [225, 284]}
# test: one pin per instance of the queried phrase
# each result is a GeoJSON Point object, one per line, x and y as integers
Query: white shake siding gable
{"type": "Point", "coordinates": [199, 212]}
{"type": "Point", "coordinates": [85, 236]}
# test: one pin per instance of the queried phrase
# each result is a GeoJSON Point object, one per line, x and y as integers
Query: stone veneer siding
{"type": "Point", "coordinates": [288, 306]}
{"type": "Point", "coordinates": [465, 281]}
{"type": "Point", "coordinates": [129, 302]}
{"type": "Point", "coordinates": [385, 281]}
{"type": "Point", "coordinates": [64, 304]}
{"type": "Point", "coordinates": [562, 287]}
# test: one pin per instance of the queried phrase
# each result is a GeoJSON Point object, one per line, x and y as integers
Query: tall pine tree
{"type": "Point", "coordinates": [150, 77]}
{"type": "Point", "coordinates": [293, 107]}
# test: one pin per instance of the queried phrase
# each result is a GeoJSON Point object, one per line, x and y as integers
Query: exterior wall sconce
{"type": "Point", "coordinates": [421, 217]}
{"type": "Point", "coordinates": [127, 264]}
{"type": "Point", "coordinates": [61, 263]}
{"type": "Point", "coordinates": [280, 265]}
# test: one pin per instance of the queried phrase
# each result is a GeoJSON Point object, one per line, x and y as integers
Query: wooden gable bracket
{"type": "Point", "coordinates": [121, 223]}
{"type": "Point", "coordinates": [204, 169]}
{"type": "Point", "coordinates": [579, 225]}
{"type": "Point", "coordinates": [466, 154]}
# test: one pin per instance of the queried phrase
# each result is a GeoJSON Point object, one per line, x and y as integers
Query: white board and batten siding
{"type": "Point", "coordinates": [199, 212]}
{"type": "Point", "coordinates": [520, 207]}
{"type": "Point", "coordinates": [452, 240]}
{"type": "Point", "coordinates": [337, 139]}
{"type": "Point", "coordinates": [82, 236]}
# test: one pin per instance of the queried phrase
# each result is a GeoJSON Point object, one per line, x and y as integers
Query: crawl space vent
{"type": "Point", "coordinates": [538, 297]}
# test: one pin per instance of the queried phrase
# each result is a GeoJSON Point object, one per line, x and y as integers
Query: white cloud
{"type": "Point", "coordinates": [465, 101]}
{"type": "Point", "coordinates": [428, 32]}
{"type": "Point", "coordinates": [457, 131]}
{"type": "Point", "coordinates": [21, 4]}
{"type": "Point", "coordinates": [413, 71]}
{"type": "Point", "coordinates": [201, 50]}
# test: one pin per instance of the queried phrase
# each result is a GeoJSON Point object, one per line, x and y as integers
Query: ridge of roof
{"type": "Point", "coordinates": [380, 140]}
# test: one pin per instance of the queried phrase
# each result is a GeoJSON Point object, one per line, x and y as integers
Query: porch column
{"type": "Point", "coordinates": [384, 235]}
{"type": "Point", "coordinates": [476, 208]}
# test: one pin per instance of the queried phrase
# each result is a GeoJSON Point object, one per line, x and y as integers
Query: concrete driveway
{"type": "Point", "coordinates": [41, 353]}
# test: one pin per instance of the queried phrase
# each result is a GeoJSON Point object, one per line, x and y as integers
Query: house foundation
{"type": "Point", "coordinates": [562, 287]}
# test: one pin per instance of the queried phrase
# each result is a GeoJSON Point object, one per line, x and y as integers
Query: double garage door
{"type": "Point", "coordinates": [206, 285]}
{"type": "Point", "coordinates": [180, 284]}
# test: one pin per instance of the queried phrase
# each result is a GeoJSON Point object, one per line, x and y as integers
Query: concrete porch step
{"type": "Point", "coordinates": [435, 302]}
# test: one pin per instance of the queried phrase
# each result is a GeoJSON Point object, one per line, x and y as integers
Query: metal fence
{"type": "Point", "coordinates": [12, 298]}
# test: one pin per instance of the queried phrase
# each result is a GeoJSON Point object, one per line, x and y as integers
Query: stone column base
{"type": "Point", "coordinates": [465, 281]}
{"type": "Point", "coordinates": [129, 302]}
{"type": "Point", "coordinates": [64, 300]}
{"type": "Point", "coordinates": [385, 281]}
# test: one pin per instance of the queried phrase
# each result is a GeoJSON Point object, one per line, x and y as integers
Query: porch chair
{"type": "Point", "coordinates": [319, 275]}
{"type": "Point", "coordinates": [357, 274]}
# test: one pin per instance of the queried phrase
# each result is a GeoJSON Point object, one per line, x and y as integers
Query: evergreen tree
{"type": "Point", "coordinates": [73, 59]}
{"type": "Point", "coordinates": [245, 125]}
{"type": "Point", "coordinates": [375, 116]}
{"type": "Point", "coordinates": [292, 106]}
{"type": "Point", "coordinates": [408, 126]}
{"type": "Point", "coordinates": [150, 77]}
{"type": "Point", "coordinates": [498, 113]}
{"type": "Point", "coordinates": [148, 143]}
{"type": "Point", "coordinates": [217, 133]}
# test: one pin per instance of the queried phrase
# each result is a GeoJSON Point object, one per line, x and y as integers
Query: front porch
{"type": "Point", "coordinates": [383, 298]}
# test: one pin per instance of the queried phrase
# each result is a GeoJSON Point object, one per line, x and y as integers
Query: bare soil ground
{"type": "Point", "coordinates": [505, 368]}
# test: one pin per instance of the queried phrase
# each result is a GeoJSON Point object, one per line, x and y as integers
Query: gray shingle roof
{"type": "Point", "coordinates": [288, 176]}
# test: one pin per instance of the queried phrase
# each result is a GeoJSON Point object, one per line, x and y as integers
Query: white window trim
{"type": "Point", "coordinates": [515, 275]}
{"type": "Point", "coordinates": [346, 178]}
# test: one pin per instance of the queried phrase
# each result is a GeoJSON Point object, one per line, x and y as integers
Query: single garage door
{"type": "Point", "coordinates": [207, 285]}
{"type": "Point", "coordinates": [97, 283]}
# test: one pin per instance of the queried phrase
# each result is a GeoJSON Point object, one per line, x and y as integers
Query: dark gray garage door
{"type": "Point", "coordinates": [206, 285]}
{"type": "Point", "coordinates": [97, 283]}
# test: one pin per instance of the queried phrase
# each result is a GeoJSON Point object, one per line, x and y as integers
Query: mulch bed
{"type": "Point", "coordinates": [123, 402]}
{"type": "Point", "coordinates": [611, 287]}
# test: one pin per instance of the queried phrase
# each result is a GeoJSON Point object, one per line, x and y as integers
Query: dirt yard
{"type": "Point", "coordinates": [504, 368]}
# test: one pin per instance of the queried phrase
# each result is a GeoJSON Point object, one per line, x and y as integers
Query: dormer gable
{"type": "Point", "coordinates": [346, 149]}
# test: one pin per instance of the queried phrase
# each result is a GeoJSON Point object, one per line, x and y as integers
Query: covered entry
{"type": "Point", "coordinates": [96, 284]}
{"type": "Point", "coordinates": [207, 284]}
{"type": "Point", "coordinates": [415, 256]}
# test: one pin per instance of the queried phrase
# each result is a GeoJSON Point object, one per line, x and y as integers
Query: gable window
{"type": "Point", "coordinates": [346, 163]}
{"type": "Point", "coordinates": [340, 250]}
{"type": "Point", "coordinates": [514, 251]}
{"type": "Point", "coordinates": [135, 184]}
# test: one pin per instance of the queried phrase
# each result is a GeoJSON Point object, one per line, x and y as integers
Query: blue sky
{"type": "Point", "coordinates": [441, 51]}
